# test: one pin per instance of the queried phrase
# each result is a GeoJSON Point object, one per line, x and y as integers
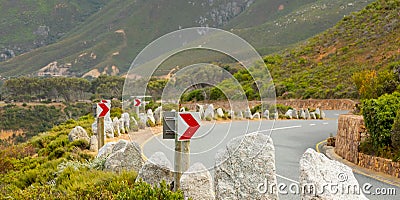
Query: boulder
{"type": "Point", "coordinates": [312, 115]}
{"type": "Point", "coordinates": [322, 116]}
{"type": "Point", "coordinates": [266, 114]}
{"type": "Point", "coordinates": [200, 109]}
{"type": "Point", "coordinates": [318, 174]}
{"type": "Point", "coordinates": [307, 113]}
{"type": "Point", "coordinates": [142, 120]}
{"type": "Point", "coordinates": [109, 129]}
{"type": "Point", "coordinates": [220, 112]}
{"type": "Point", "coordinates": [231, 114]}
{"type": "Point", "coordinates": [156, 169]}
{"type": "Point", "coordinates": [127, 123]}
{"type": "Point", "coordinates": [158, 115]}
{"type": "Point", "coordinates": [289, 113]}
{"type": "Point", "coordinates": [150, 116]}
{"type": "Point", "coordinates": [302, 114]}
{"type": "Point", "coordinates": [247, 114]}
{"type": "Point", "coordinates": [128, 158]}
{"type": "Point", "coordinates": [317, 111]}
{"type": "Point", "coordinates": [121, 126]}
{"type": "Point", "coordinates": [182, 109]}
{"type": "Point", "coordinates": [240, 115]}
{"type": "Point", "coordinates": [295, 114]}
{"type": "Point", "coordinates": [116, 126]}
{"type": "Point", "coordinates": [105, 150]}
{"type": "Point", "coordinates": [209, 112]}
{"type": "Point", "coordinates": [256, 116]}
{"type": "Point", "coordinates": [78, 133]}
{"type": "Point", "coordinates": [94, 144]}
{"type": "Point", "coordinates": [94, 127]}
{"type": "Point", "coordinates": [242, 165]}
{"type": "Point", "coordinates": [197, 183]}
{"type": "Point", "coordinates": [276, 116]}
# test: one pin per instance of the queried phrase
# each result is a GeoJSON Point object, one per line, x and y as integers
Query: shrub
{"type": "Point", "coordinates": [395, 138]}
{"type": "Point", "coordinates": [379, 115]}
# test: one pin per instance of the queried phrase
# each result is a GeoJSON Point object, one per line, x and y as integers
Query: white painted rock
{"type": "Point", "coordinates": [312, 115]}
{"type": "Point", "coordinates": [156, 169]}
{"type": "Point", "coordinates": [209, 112]}
{"type": "Point", "coordinates": [121, 125]}
{"type": "Point", "coordinates": [307, 114]}
{"type": "Point", "coordinates": [294, 114]}
{"type": "Point", "coordinates": [247, 114]}
{"type": "Point", "coordinates": [200, 109]}
{"type": "Point", "coordinates": [276, 116]}
{"type": "Point", "coordinates": [220, 112]}
{"type": "Point", "coordinates": [150, 116]}
{"type": "Point", "coordinates": [78, 133]}
{"type": "Point", "coordinates": [197, 183]}
{"type": "Point", "coordinates": [116, 126]}
{"type": "Point", "coordinates": [242, 165]}
{"type": "Point", "coordinates": [127, 123]}
{"type": "Point", "coordinates": [289, 113]}
{"type": "Point", "coordinates": [158, 114]}
{"type": "Point", "coordinates": [266, 114]}
{"type": "Point", "coordinates": [322, 116]}
{"type": "Point", "coordinates": [256, 116]}
{"type": "Point", "coordinates": [318, 171]}
{"type": "Point", "coordinates": [303, 114]}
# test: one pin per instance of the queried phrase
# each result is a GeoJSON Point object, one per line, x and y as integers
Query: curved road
{"type": "Point", "coordinates": [291, 138]}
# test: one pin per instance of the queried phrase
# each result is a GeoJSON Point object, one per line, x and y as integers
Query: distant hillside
{"type": "Point", "coordinates": [26, 25]}
{"type": "Point", "coordinates": [108, 40]}
{"type": "Point", "coordinates": [322, 67]}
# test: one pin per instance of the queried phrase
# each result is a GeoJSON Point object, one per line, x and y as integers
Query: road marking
{"type": "Point", "coordinates": [325, 123]}
{"type": "Point", "coordinates": [312, 124]}
{"type": "Point", "coordinates": [288, 179]}
{"type": "Point", "coordinates": [317, 146]}
{"type": "Point", "coordinates": [280, 128]}
{"type": "Point", "coordinates": [145, 142]}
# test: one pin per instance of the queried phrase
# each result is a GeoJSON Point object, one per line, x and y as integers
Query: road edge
{"type": "Point", "coordinates": [328, 151]}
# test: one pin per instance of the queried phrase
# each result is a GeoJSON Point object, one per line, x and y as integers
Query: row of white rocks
{"type": "Point", "coordinates": [240, 167]}
{"type": "Point", "coordinates": [208, 111]}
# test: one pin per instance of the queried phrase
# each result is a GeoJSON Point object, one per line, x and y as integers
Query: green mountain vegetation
{"type": "Point", "coordinates": [26, 25]}
{"type": "Point", "coordinates": [322, 66]}
{"type": "Point", "coordinates": [108, 40]}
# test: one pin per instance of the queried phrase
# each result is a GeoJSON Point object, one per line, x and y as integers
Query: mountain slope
{"type": "Point", "coordinates": [26, 25]}
{"type": "Point", "coordinates": [109, 40]}
{"type": "Point", "coordinates": [322, 67]}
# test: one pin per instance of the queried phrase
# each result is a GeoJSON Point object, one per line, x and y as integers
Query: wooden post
{"type": "Point", "coordinates": [177, 164]}
{"type": "Point", "coordinates": [185, 155]}
{"type": "Point", "coordinates": [100, 132]}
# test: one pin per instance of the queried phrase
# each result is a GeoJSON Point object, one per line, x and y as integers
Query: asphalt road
{"type": "Point", "coordinates": [291, 139]}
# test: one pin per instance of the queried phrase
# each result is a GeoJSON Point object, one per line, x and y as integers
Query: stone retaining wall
{"type": "Point", "coordinates": [351, 131]}
{"type": "Point", "coordinates": [378, 164]}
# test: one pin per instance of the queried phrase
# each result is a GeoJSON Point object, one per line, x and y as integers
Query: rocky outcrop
{"type": "Point", "coordinates": [78, 133]}
{"type": "Point", "coordinates": [245, 162]}
{"type": "Point", "coordinates": [156, 169]}
{"type": "Point", "coordinates": [124, 156]}
{"type": "Point", "coordinates": [197, 183]}
{"type": "Point", "coordinates": [319, 174]}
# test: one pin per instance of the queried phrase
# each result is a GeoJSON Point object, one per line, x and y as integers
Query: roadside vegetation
{"type": "Point", "coordinates": [48, 166]}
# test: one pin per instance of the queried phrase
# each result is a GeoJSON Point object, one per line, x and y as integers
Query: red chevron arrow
{"type": "Point", "coordinates": [192, 123]}
{"type": "Point", "coordinates": [105, 109]}
{"type": "Point", "coordinates": [138, 102]}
